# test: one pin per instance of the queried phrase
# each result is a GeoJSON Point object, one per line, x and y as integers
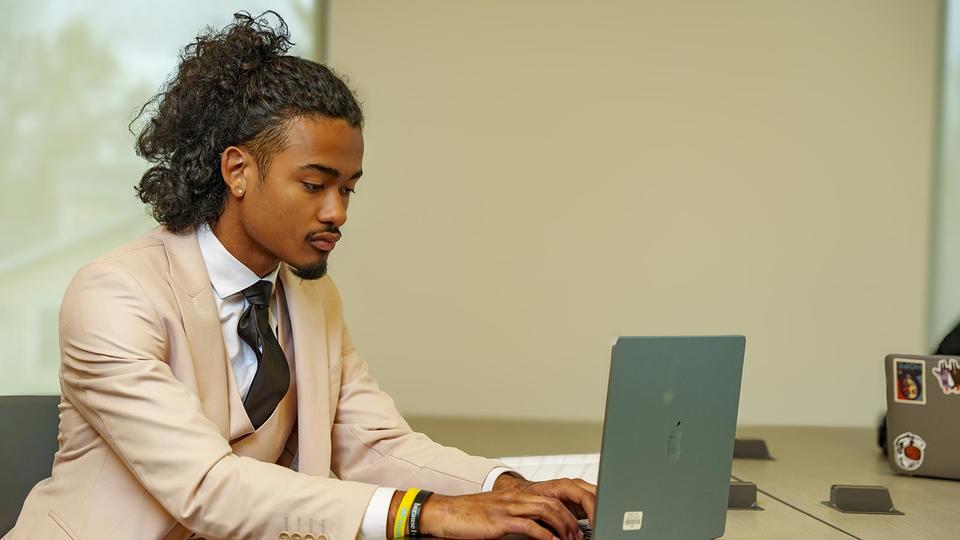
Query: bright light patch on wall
{"type": "Point", "coordinates": [75, 74]}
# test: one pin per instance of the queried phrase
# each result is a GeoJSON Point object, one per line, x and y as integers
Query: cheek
{"type": "Point", "coordinates": [286, 205]}
{"type": "Point", "coordinates": [278, 219]}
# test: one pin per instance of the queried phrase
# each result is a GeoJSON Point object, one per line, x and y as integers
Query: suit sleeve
{"type": "Point", "coordinates": [114, 347]}
{"type": "Point", "coordinates": [373, 443]}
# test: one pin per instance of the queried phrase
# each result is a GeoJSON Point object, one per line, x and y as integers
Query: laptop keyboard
{"type": "Point", "coordinates": [540, 468]}
{"type": "Point", "coordinates": [585, 529]}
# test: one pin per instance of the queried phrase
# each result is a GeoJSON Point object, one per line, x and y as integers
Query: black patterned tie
{"type": "Point", "coordinates": [272, 379]}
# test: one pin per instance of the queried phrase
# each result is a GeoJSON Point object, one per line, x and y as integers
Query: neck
{"type": "Point", "coordinates": [236, 241]}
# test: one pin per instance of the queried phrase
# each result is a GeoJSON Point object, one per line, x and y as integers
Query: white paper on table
{"type": "Point", "coordinates": [540, 468]}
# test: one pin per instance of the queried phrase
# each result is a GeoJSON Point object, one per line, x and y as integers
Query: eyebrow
{"type": "Point", "coordinates": [328, 170]}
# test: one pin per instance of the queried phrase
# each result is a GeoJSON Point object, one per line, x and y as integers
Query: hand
{"type": "Point", "coordinates": [579, 496]}
{"type": "Point", "coordinates": [515, 506]}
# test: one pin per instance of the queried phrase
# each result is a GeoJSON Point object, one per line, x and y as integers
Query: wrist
{"type": "Point", "coordinates": [431, 515]}
{"type": "Point", "coordinates": [510, 480]}
{"type": "Point", "coordinates": [392, 513]}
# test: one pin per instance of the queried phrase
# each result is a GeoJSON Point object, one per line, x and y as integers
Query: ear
{"type": "Point", "coordinates": [236, 165]}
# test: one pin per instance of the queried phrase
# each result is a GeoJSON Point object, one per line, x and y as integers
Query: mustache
{"type": "Point", "coordinates": [326, 230]}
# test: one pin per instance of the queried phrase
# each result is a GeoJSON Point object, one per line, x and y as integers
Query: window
{"type": "Point", "coordinates": [944, 304]}
{"type": "Point", "coordinates": [75, 74]}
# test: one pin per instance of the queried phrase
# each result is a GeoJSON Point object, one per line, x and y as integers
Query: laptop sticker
{"type": "Point", "coordinates": [947, 372]}
{"type": "Point", "coordinates": [908, 377]}
{"type": "Point", "coordinates": [632, 521]}
{"type": "Point", "coordinates": [908, 450]}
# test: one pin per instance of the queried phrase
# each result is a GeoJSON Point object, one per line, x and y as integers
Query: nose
{"type": "Point", "coordinates": [333, 210]}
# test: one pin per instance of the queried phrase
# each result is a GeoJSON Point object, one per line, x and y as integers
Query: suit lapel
{"type": "Point", "coordinates": [194, 294]}
{"type": "Point", "coordinates": [307, 327]}
{"type": "Point", "coordinates": [240, 425]}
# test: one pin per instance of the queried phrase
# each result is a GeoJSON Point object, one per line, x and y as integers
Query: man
{"type": "Point", "coordinates": [209, 383]}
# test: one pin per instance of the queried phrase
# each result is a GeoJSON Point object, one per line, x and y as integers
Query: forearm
{"type": "Point", "coordinates": [380, 448]}
{"type": "Point", "coordinates": [245, 498]}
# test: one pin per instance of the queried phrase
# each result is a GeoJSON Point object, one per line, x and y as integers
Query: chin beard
{"type": "Point", "coordinates": [314, 271]}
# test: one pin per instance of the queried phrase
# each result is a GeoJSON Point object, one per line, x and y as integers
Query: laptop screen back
{"type": "Point", "coordinates": [668, 437]}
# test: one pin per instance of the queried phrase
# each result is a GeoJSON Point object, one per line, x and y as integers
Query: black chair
{"type": "Point", "coordinates": [28, 426]}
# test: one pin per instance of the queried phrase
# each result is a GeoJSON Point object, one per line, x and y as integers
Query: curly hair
{"type": "Point", "coordinates": [234, 86]}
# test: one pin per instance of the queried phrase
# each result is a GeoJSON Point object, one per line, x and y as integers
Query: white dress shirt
{"type": "Point", "coordinates": [229, 278]}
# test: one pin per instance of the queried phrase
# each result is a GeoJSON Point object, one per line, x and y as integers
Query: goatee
{"type": "Point", "coordinates": [314, 271]}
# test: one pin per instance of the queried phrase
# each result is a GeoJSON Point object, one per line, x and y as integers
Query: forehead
{"type": "Point", "coordinates": [328, 141]}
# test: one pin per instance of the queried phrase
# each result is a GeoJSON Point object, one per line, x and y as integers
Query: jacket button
{"type": "Point", "coordinates": [296, 536]}
{"type": "Point", "coordinates": [322, 537]}
{"type": "Point", "coordinates": [309, 536]}
{"type": "Point", "coordinates": [284, 536]}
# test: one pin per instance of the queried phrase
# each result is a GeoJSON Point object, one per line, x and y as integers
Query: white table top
{"type": "Point", "coordinates": [524, 437]}
{"type": "Point", "coordinates": [808, 460]}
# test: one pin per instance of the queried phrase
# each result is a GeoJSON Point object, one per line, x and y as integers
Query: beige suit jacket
{"type": "Point", "coordinates": [154, 439]}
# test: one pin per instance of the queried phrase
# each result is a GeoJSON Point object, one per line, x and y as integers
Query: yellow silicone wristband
{"type": "Point", "coordinates": [402, 521]}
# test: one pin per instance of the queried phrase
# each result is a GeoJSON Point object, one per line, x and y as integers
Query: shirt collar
{"type": "Point", "coordinates": [227, 275]}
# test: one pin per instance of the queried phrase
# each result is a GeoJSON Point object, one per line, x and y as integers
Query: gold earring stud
{"type": "Point", "coordinates": [239, 192]}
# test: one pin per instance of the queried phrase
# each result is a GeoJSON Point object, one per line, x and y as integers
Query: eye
{"type": "Point", "coordinates": [312, 188]}
{"type": "Point", "coordinates": [348, 191]}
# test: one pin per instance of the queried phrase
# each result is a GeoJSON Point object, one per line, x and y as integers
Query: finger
{"type": "Point", "coordinates": [576, 510]}
{"type": "Point", "coordinates": [569, 490]}
{"type": "Point", "coordinates": [528, 528]}
{"type": "Point", "coordinates": [563, 488]}
{"type": "Point", "coordinates": [554, 514]}
{"type": "Point", "coordinates": [589, 501]}
{"type": "Point", "coordinates": [569, 520]}
{"type": "Point", "coordinates": [537, 509]}
{"type": "Point", "coordinates": [586, 485]}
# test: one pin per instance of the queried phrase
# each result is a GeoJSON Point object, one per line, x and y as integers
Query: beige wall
{"type": "Point", "coordinates": [543, 176]}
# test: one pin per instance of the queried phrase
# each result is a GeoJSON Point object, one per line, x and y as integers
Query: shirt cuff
{"type": "Point", "coordinates": [493, 475]}
{"type": "Point", "coordinates": [374, 524]}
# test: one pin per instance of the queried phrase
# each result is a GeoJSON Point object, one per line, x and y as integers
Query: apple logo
{"type": "Point", "coordinates": [673, 444]}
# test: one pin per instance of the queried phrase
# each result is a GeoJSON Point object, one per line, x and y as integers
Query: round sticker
{"type": "Point", "coordinates": [908, 450]}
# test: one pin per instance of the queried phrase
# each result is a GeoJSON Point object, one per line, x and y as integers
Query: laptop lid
{"type": "Point", "coordinates": [923, 399]}
{"type": "Point", "coordinates": [668, 436]}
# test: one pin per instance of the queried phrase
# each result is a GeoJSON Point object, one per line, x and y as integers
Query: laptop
{"type": "Point", "coordinates": [923, 403]}
{"type": "Point", "coordinates": [668, 435]}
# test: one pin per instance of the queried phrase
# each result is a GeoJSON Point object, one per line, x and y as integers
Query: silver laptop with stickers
{"type": "Point", "coordinates": [668, 437]}
{"type": "Point", "coordinates": [923, 403]}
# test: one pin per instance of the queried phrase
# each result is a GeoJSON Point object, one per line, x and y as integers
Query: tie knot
{"type": "Point", "coordinates": [258, 294]}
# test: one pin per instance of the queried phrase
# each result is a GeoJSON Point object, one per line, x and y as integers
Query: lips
{"type": "Point", "coordinates": [324, 241]}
